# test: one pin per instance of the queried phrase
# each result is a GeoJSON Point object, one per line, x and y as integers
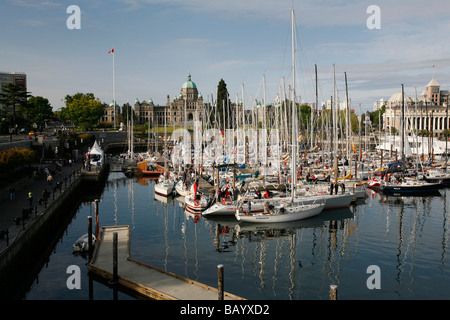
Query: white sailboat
{"type": "Point", "coordinates": [197, 202]}
{"type": "Point", "coordinates": [289, 209]}
{"type": "Point", "coordinates": [283, 212]}
{"type": "Point", "coordinates": [165, 185]}
{"type": "Point", "coordinates": [182, 188]}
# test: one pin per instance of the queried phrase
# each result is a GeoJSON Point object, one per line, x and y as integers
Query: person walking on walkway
{"type": "Point", "coordinates": [12, 193]}
{"type": "Point", "coordinates": [45, 195]}
{"type": "Point", "coordinates": [49, 179]}
{"type": "Point", "coordinates": [30, 197]}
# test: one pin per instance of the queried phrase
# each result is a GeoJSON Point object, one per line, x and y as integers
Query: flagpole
{"type": "Point", "coordinates": [114, 91]}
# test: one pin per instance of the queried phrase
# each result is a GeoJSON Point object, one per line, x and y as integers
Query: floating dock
{"type": "Point", "coordinates": [143, 279]}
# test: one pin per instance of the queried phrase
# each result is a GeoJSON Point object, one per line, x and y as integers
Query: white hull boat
{"type": "Point", "coordinates": [197, 205]}
{"type": "Point", "coordinates": [228, 208]}
{"type": "Point", "coordinates": [82, 243]}
{"type": "Point", "coordinates": [164, 188]}
{"type": "Point", "coordinates": [283, 212]}
{"type": "Point", "coordinates": [182, 189]}
{"type": "Point", "coordinates": [332, 201]}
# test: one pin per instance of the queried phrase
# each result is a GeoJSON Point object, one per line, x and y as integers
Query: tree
{"type": "Point", "coordinates": [14, 96]}
{"type": "Point", "coordinates": [37, 110]}
{"type": "Point", "coordinates": [377, 116]}
{"type": "Point", "coordinates": [222, 104]}
{"type": "Point", "coordinates": [83, 110]}
{"type": "Point", "coordinates": [126, 111]}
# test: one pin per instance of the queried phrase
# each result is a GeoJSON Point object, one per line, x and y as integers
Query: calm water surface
{"type": "Point", "coordinates": [406, 237]}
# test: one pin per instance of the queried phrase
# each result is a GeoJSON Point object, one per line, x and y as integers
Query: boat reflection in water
{"type": "Point", "coordinates": [272, 252]}
{"type": "Point", "coordinates": [406, 236]}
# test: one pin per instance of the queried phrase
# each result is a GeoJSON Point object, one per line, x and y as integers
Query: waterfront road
{"type": "Point", "coordinates": [11, 210]}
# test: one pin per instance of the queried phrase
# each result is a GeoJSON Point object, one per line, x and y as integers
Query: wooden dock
{"type": "Point", "coordinates": [143, 279]}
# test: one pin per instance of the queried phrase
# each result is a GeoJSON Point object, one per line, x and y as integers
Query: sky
{"type": "Point", "coordinates": [247, 43]}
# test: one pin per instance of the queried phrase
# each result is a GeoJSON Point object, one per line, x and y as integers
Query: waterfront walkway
{"type": "Point", "coordinates": [10, 210]}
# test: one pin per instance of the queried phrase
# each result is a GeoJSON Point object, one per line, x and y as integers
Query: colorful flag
{"type": "Point", "coordinates": [112, 50]}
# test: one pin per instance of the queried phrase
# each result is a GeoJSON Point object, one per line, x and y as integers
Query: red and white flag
{"type": "Point", "coordinates": [112, 50]}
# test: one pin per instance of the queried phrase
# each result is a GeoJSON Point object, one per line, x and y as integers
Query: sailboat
{"type": "Point", "coordinates": [165, 185]}
{"type": "Point", "coordinates": [410, 186]}
{"type": "Point", "coordinates": [197, 201]}
{"type": "Point", "coordinates": [287, 210]}
{"type": "Point", "coordinates": [283, 212]}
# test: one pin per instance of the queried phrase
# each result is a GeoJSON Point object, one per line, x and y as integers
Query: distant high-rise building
{"type": "Point", "coordinates": [16, 78]}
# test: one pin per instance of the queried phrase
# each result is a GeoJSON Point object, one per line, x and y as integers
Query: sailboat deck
{"type": "Point", "coordinates": [143, 279]}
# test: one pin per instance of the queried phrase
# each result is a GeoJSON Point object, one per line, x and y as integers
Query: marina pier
{"type": "Point", "coordinates": [145, 280]}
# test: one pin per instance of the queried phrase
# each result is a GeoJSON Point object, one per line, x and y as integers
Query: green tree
{"type": "Point", "coordinates": [222, 104]}
{"type": "Point", "coordinates": [37, 110]}
{"type": "Point", "coordinates": [14, 96]}
{"type": "Point", "coordinates": [126, 111]}
{"type": "Point", "coordinates": [377, 116]}
{"type": "Point", "coordinates": [83, 110]}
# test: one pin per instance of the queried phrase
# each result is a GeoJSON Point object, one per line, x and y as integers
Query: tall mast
{"type": "Point", "coordinates": [294, 116]}
{"type": "Point", "coordinates": [316, 112]}
{"type": "Point", "coordinates": [403, 126]}
{"type": "Point", "coordinates": [348, 130]}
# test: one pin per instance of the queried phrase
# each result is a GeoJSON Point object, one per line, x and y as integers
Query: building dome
{"type": "Point", "coordinates": [397, 97]}
{"type": "Point", "coordinates": [189, 84]}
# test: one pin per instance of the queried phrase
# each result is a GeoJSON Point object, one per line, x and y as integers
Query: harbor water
{"type": "Point", "coordinates": [383, 247]}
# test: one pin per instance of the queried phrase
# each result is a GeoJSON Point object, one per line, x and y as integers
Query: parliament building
{"type": "Point", "coordinates": [428, 112]}
{"type": "Point", "coordinates": [186, 103]}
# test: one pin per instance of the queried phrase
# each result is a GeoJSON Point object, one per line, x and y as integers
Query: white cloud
{"type": "Point", "coordinates": [38, 4]}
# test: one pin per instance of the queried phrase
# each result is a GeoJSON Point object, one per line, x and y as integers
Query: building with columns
{"type": "Point", "coordinates": [428, 112]}
{"type": "Point", "coordinates": [185, 105]}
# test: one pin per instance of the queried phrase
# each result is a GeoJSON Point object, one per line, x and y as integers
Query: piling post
{"type": "Point", "coordinates": [96, 218]}
{"type": "Point", "coordinates": [333, 292]}
{"type": "Point", "coordinates": [90, 237]}
{"type": "Point", "coordinates": [115, 276]}
{"type": "Point", "coordinates": [220, 281]}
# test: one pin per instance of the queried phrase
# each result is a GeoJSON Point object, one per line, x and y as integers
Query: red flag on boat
{"type": "Point", "coordinates": [195, 189]}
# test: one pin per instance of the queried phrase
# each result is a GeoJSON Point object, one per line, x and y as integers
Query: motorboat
{"type": "Point", "coordinates": [82, 243]}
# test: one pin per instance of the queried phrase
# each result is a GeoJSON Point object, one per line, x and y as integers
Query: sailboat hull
{"type": "Point", "coordinates": [296, 212]}
{"type": "Point", "coordinates": [416, 188]}
{"type": "Point", "coordinates": [164, 189]}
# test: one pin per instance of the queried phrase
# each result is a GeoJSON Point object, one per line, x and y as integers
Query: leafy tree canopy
{"type": "Point", "coordinates": [36, 111]}
{"type": "Point", "coordinates": [82, 109]}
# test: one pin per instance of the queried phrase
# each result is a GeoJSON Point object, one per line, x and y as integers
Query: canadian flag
{"type": "Point", "coordinates": [112, 50]}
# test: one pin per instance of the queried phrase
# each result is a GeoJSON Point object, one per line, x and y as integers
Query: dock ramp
{"type": "Point", "coordinates": [141, 278]}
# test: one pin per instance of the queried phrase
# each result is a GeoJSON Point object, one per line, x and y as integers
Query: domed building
{"type": "Point", "coordinates": [426, 113]}
{"type": "Point", "coordinates": [186, 103]}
